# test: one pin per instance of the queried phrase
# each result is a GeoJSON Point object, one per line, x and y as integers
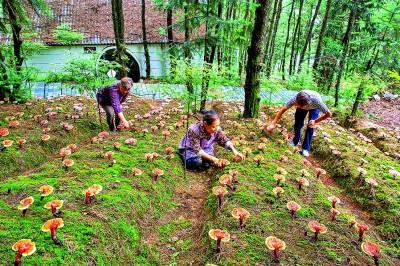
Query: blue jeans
{"type": "Point", "coordinates": [193, 163]}
{"type": "Point", "coordinates": [299, 117]}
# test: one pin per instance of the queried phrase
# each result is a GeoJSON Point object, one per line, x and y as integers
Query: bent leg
{"type": "Point", "coordinates": [310, 131]}
{"type": "Point", "coordinates": [110, 117]}
{"type": "Point", "coordinates": [299, 117]}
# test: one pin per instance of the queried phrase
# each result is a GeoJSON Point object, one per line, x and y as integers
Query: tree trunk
{"type": "Point", "coordinates": [272, 49]}
{"type": "Point", "coordinates": [186, 48]}
{"type": "Point", "coordinates": [270, 28]}
{"type": "Point", "coordinates": [118, 23]}
{"type": "Point", "coordinates": [309, 34]}
{"type": "Point", "coordinates": [346, 45]}
{"type": "Point", "coordinates": [206, 61]}
{"type": "Point", "coordinates": [287, 40]}
{"type": "Point", "coordinates": [255, 56]}
{"type": "Point", "coordinates": [170, 36]}
{"type": "Point", "coordinates": [322, 35]}
{"type": "Point", "coordinates": [145, 46]}
{"type": "Point", "coordinates": [295, 40]}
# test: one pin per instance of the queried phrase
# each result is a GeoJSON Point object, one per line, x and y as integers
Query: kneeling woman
{"type": "Point", "coordinates": [199, 142]}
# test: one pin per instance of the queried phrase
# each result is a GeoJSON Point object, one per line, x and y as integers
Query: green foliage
{"type": "Point", "coordinates": [372, 85]}
{"type": "Point", "coordinates": [65, 35]}
{"type": "Point", "coordinates": [302, 80]}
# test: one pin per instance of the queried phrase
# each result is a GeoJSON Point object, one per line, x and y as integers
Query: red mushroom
{"type": "Point", "coordinates": [131, 141]}
{"type": "Point", "coordinates": [317, 228]}
{"type": "Point", "coordinates": [241, 214]}
{"type": "Point", "coordinates": [45, 137]}
{"type": "Point", "coordinates": [149, 157]}
{"type": "Point", "coordinates": [293, 207]}
{"type": "Point", "coordinates": [7, 143]}
{"type": "Point", "coordinates": [278, 191]}
{"type": "Point", "coordinates": [51, 226]}
{"type": "Point", "coordinates": [283, 159]}
{"type": "Point", "coordinates": [361, 229]}
{"type": "Point", "coordinates": [335, 200]}
{"type": "Point", "coordinates": [279, 179]}
{"type": "Point", "coordinates": [13, 124]}
{"type": "Point", "coordinates": [72, 147]}
{"type": "Point", "coordinates": [45, 190]}
{"type": "Point", "coordinates": [166, 133]}
{"type": "Point", "coordinates": [220, 193]}
{"type": "Point", "coordinates": [136, 171]}
{"type": "Point", "coordinates": [25, 204]}
{"type": "Point", "coordinates": [24, 247]}
{"type": "Point", "coordinates": [64, 152]}
{"type": "Point", "coordinates": [91, 193]}
{"type": "Point", "coordinates": [319, 172]}
{"type": "Point", "coordinates": [21, 142]}
{"type": "Point", "coordinates": [157, 173]}
{"type": "Point", "coordinates": [261, 147]}
{"type": "Point", "coordinates": [54, 206]}
{"type": "Point", "coordinates": [246, 152]}
{"type": "Point", "coordinates": [3, 132]}
{"type": "Point", "coordinates": [234, 173]}
{"type": "Point", "coordinates": [219, 235]}
{"type": "Point", "coordinates": [227, 180]}
{"type": "Point", "coordinates": [169, 150]}
{"type": "Point", "coordinates": [281, 171]}
{"type": "Point", "coordinates": [276, 245]}
{"type": "Point", "coordinates": [334, 213]}
{"type": "Point", "coordinates": [68, 163]}
{"type": "Point", "coordinates": [258, 159]}
{"type": "Point", "coordinates": [302, 182]}
{"type": "Point", "coordinates": [103, 134]}
{"type": "Point", "coordinates": [371, 249]}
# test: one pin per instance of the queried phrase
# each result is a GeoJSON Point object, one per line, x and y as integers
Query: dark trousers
{"type": "Point", "coordinates": [299, 118]}
{"type": "Point", "coordinates": [194, 163]}
{"type": "Point", "coordinates": [112, 119]}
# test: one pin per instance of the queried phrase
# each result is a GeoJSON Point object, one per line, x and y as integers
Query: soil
{"type": "Point", "coordinates": [384, 113]}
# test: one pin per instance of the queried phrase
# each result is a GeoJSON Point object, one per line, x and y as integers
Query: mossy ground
{"type": "Point", "coordinates": [136, 221]}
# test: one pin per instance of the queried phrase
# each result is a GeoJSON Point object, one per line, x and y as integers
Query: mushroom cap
{"type": "Point", "coordinates": [169, 150]}
{"type": "Point", "coordinates": [394, 173]}
{"type": "Point", "coordinates": [158, 172]}
{"type": "Point", "coordinates": [233, 172]}
{"type": "Point", "coordinates": [103, 134]}
{"type": "Point", "coordinates": [130, 141]}
{"type": "Point", "coordinates": [7, 143]}
{"type": "Point", "coordinates": [238, 213]}
{"type": "Point", "coordinates": [334, 199]}
{"type": "Point", "coordinates": [320, 171]}
{"type": "Point", "coordinates": [24, 246]}
{"type": "Point", "coordinates": [65, 152]}
{"type": "Point", "coordinates": [281, 171]}
{"type": "Point", "coordinates": [361, 227]}
{"type": "Point", "coordinates": [219, 234]}
{"type": "Point", "coordinates": [258, 158]}
{"type": "Point", "coordinates": [361, 170]}
{"type": "Point", "coordinates": [261, 146]}
{"type": "Point", "coordinates": [3, 132]}
{"type": "Point", "coordinates": [304, 172]}
{"type": "Point", "coordinates": [25, 203]}
{"type": "Point", "coordinates": [149, 156]}
{"type": "Point", "coordinates": [283, 158]}
{"type": "Point", "coordinates": [72, 146]}
{"type": "Point", "coordinates": [117, 145]}
{"type": "Point", "coordinates": [335, 211]}
{"type": "Point", "coordinates": [46, 190]}
{"type": "Point", "coordinates": [52, 223]}
{"type": "Point", "coordinates": [21, 141]}
{"type": "Point", "coordinates": [316, 227]}
{"type": "Point", "coordinates": [303, 181]}
{"type": "Point", "coordinates": [45, 137]}
{"type": "Point", "coordinates": [54, 203]}
{"type": "Point", "coordinates": [274, 243]}
{"type": "Point", "coordinates": [370, 248]}
{"type": "Point", "coordinates": [280, 178]}
{"type": "Point", "coordinates": [219, 190]}
{"type": "Point", "coordinates": [225, 179]}
{"type": "Point", "coordinates": [166, 133]}
{"type": "Point", "coordinates": [13, 124]}
{"type": "Point", "coordinates": [96, 188]}
{"type": "Point", "coordinates": [136, 171]}
{"type": "Point", "coordinates": [293, 206]}
{"type": "Point", "coordinates": [278, 190]}
{"type": "Point", "coordinates": [68, 162]}
{"type": "Point", "coordinates": [371, 182]}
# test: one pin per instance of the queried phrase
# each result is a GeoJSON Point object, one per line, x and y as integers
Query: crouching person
{"type": "Point", "coordinates": [196, 148]}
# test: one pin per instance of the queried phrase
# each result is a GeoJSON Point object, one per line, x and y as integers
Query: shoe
{"type": "Point", "coordinates": [305, 153]}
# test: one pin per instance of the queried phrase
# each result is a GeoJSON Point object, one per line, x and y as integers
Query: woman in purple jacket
{"type": "Point", "coordinates": [199, 142]}
{"type": "Point", "coordinates": [111, 98]}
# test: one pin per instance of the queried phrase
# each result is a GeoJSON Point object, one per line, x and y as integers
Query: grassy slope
{"type": "Point", "coordinates": [137, 222]}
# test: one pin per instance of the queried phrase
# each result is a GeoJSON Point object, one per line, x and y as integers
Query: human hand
{"type": "Point", "coordinates": [271, 127]}
{"type": "Point", "coordinates": [311, 123]}
{"type": "Point", "coordinates": [238, 156]}
{"type": "Point", "coordinates": [125, 124]}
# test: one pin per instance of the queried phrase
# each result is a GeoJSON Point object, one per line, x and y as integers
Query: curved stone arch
{"type": "Point", "coordinates": [133, 63]}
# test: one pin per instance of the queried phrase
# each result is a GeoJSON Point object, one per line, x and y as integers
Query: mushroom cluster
{"type": "Point", "coordinates": [220, 236]}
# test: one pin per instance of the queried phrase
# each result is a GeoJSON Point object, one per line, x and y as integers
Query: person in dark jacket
{"type": "Point", "coordinates": [110, 99]}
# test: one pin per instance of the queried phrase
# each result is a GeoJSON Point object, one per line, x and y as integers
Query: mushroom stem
{"type": "Point", "coordinates": [53, 232]}
{"type": "Point", "coordinates": [316, 235]}
{"type": "Point", "coordinates": [276, 256]}
{"type": "Point", "coordinates": [376, 260]}
{"type": "Point", "coordinates": [9, 191]}
{"type": "Point", "coordinates": [87, 198]}
{"type": "Point", "coordinates": [241, 222]}
{"type": "Point", "coordinates": [18, 257]}
{"type": "Point", "coordinates": [218, 245]}
{"type": "Point", "coordinates": [292, 213]}
{"type": "Point", "coordinates": [220, 201]}
{"type": "Point", "coordinates": [155, 177]}
{"type": "Point", "coordinates": [360, 235]}
{"type": "Point", "coordinates": [334, 204]}
{"type": "Point", "coordinates": [299, 186]}
{"type": "Point", "coordinates": [24, 212]}
{"type": "Point", "coordinates": [53, 210]}
{"type": "Point", "coordinates": [231, 187]}
{"type": "Point", "coordinates": [62, 158]}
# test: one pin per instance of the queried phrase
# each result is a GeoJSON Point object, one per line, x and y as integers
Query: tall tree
{"type": "Point", "coordinates": [254, 61]}
{"type": "Point", "coordinates": [145, 44]}
{"type": "Point", "coordinates": [322, 34]}
{"type": "Point", "coordinates": [272, 43]}
{"type": "Point", "coordinates": [119, 33]}
{"type": "Point", "coordinates": [287, 40]}
{"type": "Point", "coordinates": [295, 40]}
{"type": "Point", "coordinates": [346, 46]}
{"type": "Point", "coordinates": [15, 16]}
{"type": "Point", "coordinates": [170, 36]}
{"type": "Point", "coordinates": [309, 34]}
{"type": "Point", "coordinates": [186, 46]}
